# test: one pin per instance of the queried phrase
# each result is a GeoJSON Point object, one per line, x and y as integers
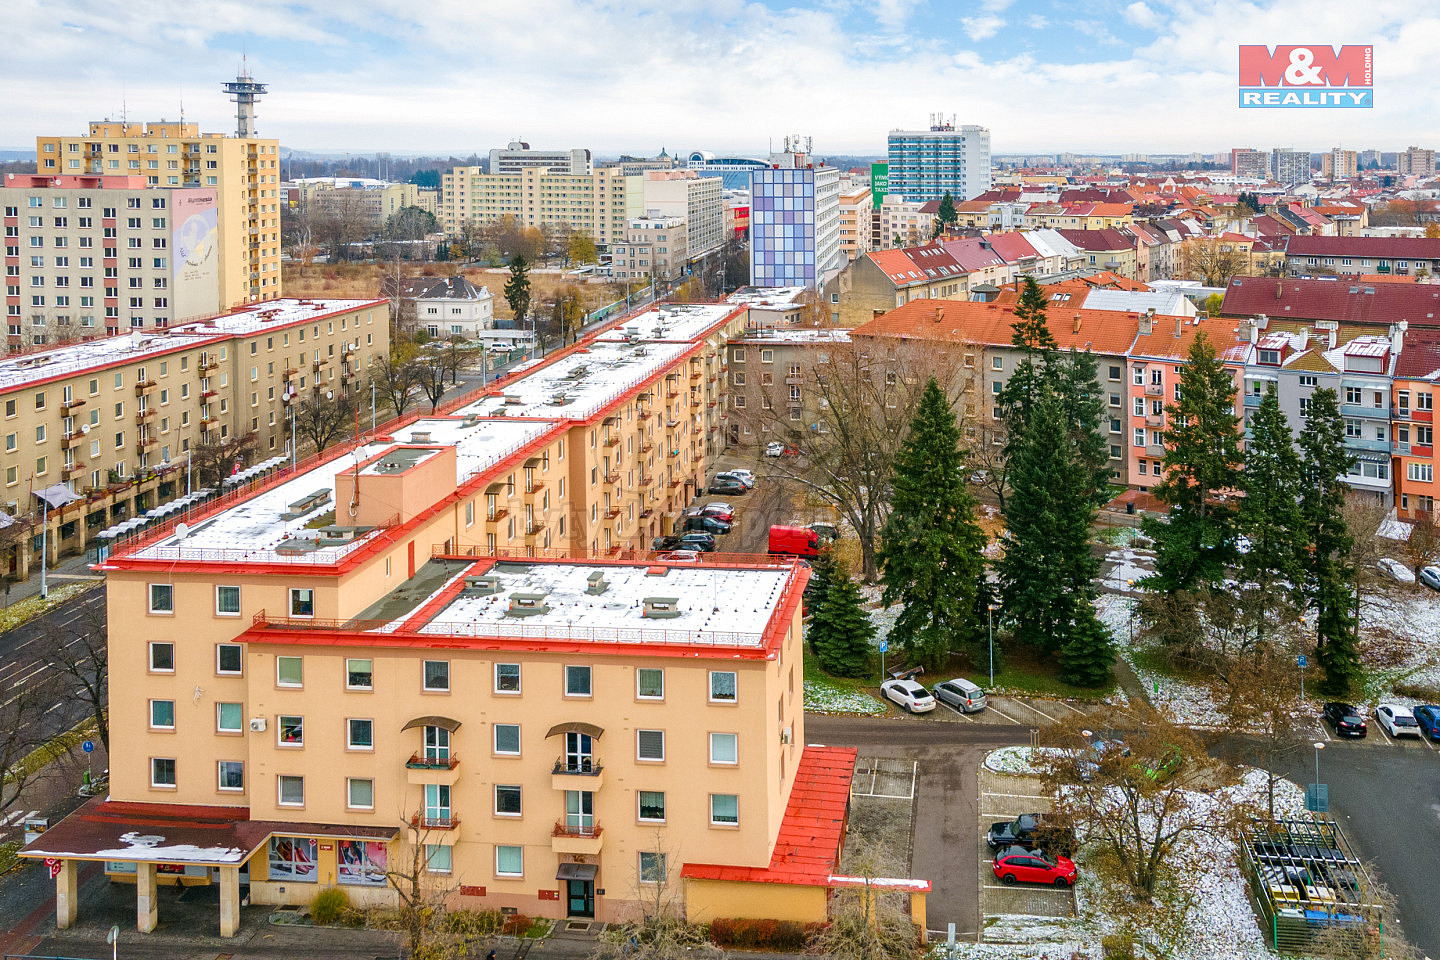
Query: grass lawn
{"type": "Point", "coordinates": [825, 693]}
{"type": "Point", "coordinates": [1022, 672]}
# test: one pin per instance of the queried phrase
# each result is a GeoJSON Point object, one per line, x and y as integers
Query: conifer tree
{"type": "Point", "coordinates": [1269, 516]}
{"type": "Point", "coordinates": [1328, 576]}
{"type": "Point", "coordinates": [946, 217]}
{"type": "Point", "coordinates": [930, 547]}
{"type": "Point", "coordinates": [517, 288]}
{"type": "Point", "coordinates": [1089, 649]}
{"type": "Point", "coordinates": [840, 629]}
{"type": "Point", "coordinates": [822, 571]}
{"type": "Point", "coordinates": [1030, 334]}
{"type": "Point", "coordinates": [1202, 459]}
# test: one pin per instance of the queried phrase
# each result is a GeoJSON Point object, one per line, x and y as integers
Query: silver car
{"type": "Point", "coordinates": [960, 694]}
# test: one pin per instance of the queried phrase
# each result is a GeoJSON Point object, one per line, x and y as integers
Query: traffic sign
{"type": "Point", "coordinates": [88, 746]}
{"type": "Point", "coordinates": [1303, 661]}
{"type": "Point", "coordinates": [54, 866]}
{"type": "Point", "coordinates": [884, 646]}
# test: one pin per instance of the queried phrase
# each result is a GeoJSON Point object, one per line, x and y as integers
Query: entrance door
{"type": "Point", "coordinates": [581, 897]}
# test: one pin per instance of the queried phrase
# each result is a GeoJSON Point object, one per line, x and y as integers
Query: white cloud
{"type": "Point", "coordinates": [982, 27]}
{"type": "Point", "coordinates": [1142, 16]}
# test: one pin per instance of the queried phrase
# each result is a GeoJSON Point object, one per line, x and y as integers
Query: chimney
{"type": "Point", "coordinates": [1077, 323]}
{"type": "Point", "coordinates": [1397, 336]}
{"type": "Point", "coordinates": [1332, 327]}
{"type": "Point", "coordinates": [1179, 327]}
{"type": "Point", "coordinates": [1147, 324]}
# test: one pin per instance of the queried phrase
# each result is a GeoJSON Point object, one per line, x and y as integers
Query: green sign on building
{"type": "Point", "coordinates": [879, 182]}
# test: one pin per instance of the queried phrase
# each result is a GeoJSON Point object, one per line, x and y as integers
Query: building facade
{"type": "Point", "coordinates": [927, 164]}
{"type": "Point", "coordinates": [1249, 164]}
{"type": "Point", "coordinates": [600, 204]}
{"type": "Point", "coordinates": [244, 172]}
{"type": "Point", "coordinates": [1416, 162]}
{"type": "Point", "coordinates": [655, 247]}
{"type": "Point", "coordinates": [856, 206]}
{"type": "Point", "coordinates": [372, 201]}
{"type": "Point", "coordinates": [794, 222]}
{"type": "Point", "coordinates": [517, 156]}
{"type": "Point", "coordinates": [685, 195]}
{"type": "Point", "coordinates": [1290, 167]}
{"type": "Point", "coordinates": [1338, 164]}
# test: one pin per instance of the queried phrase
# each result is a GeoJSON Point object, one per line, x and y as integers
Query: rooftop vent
{"type": "Point", "coordinates": [527, 605]}
{"type": "Point", "coordinates": [419, 436]}
{"type": "Point", "coordinates": [513, 400]}
{"type": "Point", "coordinates": [661, 608]}
{"type": "Point", "coordinates": [481, 586]}
{"type": "Point", "coordinates": [596, 584]}
{"type": "Point", "coordinates": [559, 399]}
{"type": "Point", "coordinates": [306, 504]}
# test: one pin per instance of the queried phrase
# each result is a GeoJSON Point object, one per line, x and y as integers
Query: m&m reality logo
{"type": "Point", "coordinates": [1307, 76]}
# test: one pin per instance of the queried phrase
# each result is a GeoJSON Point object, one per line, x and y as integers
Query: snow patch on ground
{"type": "Point", "coordinates": [1182, 702]}
{"type": "Point", "coordinates": [1018, 760]}
{"type": "Point", "coordinates": [823, 698]}
{"type": "Point", "coordinates": [1128, 564]}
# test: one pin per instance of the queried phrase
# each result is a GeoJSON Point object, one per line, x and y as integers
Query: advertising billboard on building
{"type": "Point", "coordinates": [879, 182]}
{"type": "Point", "coordinates": [195, 245]}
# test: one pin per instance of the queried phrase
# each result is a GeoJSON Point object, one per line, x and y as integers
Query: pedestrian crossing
{"type": "Point", "coordinates": [17, 818]}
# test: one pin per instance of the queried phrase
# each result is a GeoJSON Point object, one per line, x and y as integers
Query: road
{"type": "Point", "coordinates": [947, 799]}
{"type": "Point", "coordinates": [23, 653]}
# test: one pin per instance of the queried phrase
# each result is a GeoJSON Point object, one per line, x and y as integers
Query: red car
{"type": "Point", "coordinates": [720, 511]}
{"type": "Point", "coordinates": [1018, 865]}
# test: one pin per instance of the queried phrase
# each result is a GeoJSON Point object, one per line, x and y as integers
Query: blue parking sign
{"type": "Point", "coordinates": [1303, 661]}
{"type": "Point", "coordinates": [884, 646]}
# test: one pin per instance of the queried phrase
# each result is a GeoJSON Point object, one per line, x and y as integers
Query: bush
{"type": "Point", "coordinates": [1118, 946]}
{"type": "Point", "coordinates": [329, 905]}
{"type": "Point", "coordinates": [747, 933]}
{"type": "Point", "coordinates": [474, 924]}
{"type": "Point", "coordinates": [515, 924]}
{"type": "Point", "coordinates": [1418, 691]}
{"type": "Point", "coordinates": [8, 856]}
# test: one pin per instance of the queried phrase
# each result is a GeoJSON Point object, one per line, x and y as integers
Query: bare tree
{"type": "Point", "coordinates": [1210, 260]}
{"type": "Point", "coordinates": [429, 369]}
{"type": "Point", "coordinates": [325, 416]}
{"type": "Point", "coordinates": [1263, 701]}
{"type": "Point", "coordinates": [81, 656]}
{"type": "Point", "coordinates": [24, 701]}
{"type": "Point", "coordinates": [424, 898]}
{"type": "Point", "coordinates": [656, 928]}
{"type": "Point", "coordinates": [1424, 541]}
{"type": "Point", "coordinates": [986, 455]}
{"type": "Point", "coordinates": [212, 460]}
{"type": "Point", "coordinates": [394, 376]}
{"type": "Point", "coordinates": [868, 921]}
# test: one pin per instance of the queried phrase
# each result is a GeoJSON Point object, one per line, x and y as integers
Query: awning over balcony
{"type": "Point", "coordinates": [577, 871]}
{"type": "Point", "coordinates": [446, 722]}
{"type": "Point", "coordinates": [575, 727]}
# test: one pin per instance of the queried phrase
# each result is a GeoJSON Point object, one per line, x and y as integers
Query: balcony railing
{"type": "Point", "coordinates": [436, 822]}
{"type": "Point", "coordinates": [565, 829]}
{"type": "Point", "coordinates": [419, 761]}
{"type": "Point", "coordinates": [1154, 390]}
{"type": "Point", "coordinates": [580, 767]}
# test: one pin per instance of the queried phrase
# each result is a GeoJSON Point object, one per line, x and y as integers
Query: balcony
{"type": "Point", "coordinates": [69, 406]}
{"type": "Point", "coordinates": [208, 423]}
{"type": "Point", "coordinates": [142, 415]}
{"type": "Point", "coordinates": [567, 769]}
{"type": "Point", "coordinates": [71, 469]}
{"type": "Point", "coordinates": [794, 380]}
{"type": "Point", "coordinates": [439, 822]}
{"type": "Point", "coordinates": [72, 439]}
{"type": "Point", "coordinates": [1369, 412]}
{"type": "Point", "coordinates": [613, 477]}
{"type": "Point", "coordinates": [420, 769]}
{"type": "Point", "coordinates": [143, 386]}
{"type": "Point", "coordinates": [1154, 421]}
{"type": "Point", "coordinates": [645, 480]}
{"type": "Point", "coordinates": [1155, 450]}
{"type": "Point", "coordinates": [1252, 400]}
{"type": "Point", "coordinates": [496, 515]}
{"type": "Point", "coordinates": [1154, 389]}
{"type": "Point", "coordinates": [611, 440]}
{"type": "Point", "coordinates": [583, 839]}
{"type": "Point", "coordinates": [1375, 446]}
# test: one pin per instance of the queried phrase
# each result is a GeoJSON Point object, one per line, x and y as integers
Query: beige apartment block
{"type": "Point", "coordinates": [245, 172]}
{"type": "Point", "coordinates": [114, 419]}
{"type": "Point", "coordinates": [856, 205]}
{"type": "Point", "coordinates": [653, 247]}
{"type": "Point", "coordinates": [373, 201]}
{"type": "Point", "coordinates": [695, 199]}
{"type": "Point", "coordinates": [600, 204]}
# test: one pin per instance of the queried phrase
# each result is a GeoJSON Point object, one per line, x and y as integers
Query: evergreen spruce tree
{"type": "Point", "coordinates": [840, 629]}
{"type": "Point", "coordinates": [1328, 576]}
{"type": "Point", "coordinates": [1089, 649]}
{"type": "Point", "coordinates": [1202, 458]}
{"type": "Point", "coordinates": [517, 288]}
{"type": "Point", "coordinates": [1269, 516]}
{"type": "Point", "coordinates": [946, 217]}
{"type": "Point", "coordinates": [1030, 334]}
{"type": "Point", "coordinates": [930, 547]}
{"type": "Point", "coordinates": [822, 571]}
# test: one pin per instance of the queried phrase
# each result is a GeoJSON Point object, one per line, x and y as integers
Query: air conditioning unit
{"type": "Point", "coordinates": [787, 734]}
{"type": "Point", "coordinates": [257, 724]}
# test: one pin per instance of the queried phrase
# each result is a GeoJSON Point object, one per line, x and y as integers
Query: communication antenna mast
{"type": "Point", "coordinates": [246, 93]}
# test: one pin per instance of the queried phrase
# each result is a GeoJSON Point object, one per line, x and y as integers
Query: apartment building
{"type": "Point", "coordinates": [655, 247]}
{"type": "Point", "coordinates": [1338, 164]}
{"type": "Point", "coordinates": [1289, 167]}
{"type": "Point", "coordinates": [905, 223]}
{"type": "Point", "coordinates": [456, 646]}
{"type": "Point", "coordinates": [856, 206]}
{"type": "Point", "coordinates": [1416, 162]}
{"type": "Point", "coordinates": [114, 419]}
{"type": "Point", "coordinates": [244, 172]}
{"type": "Point", "coordinates": [770, 370]}
{"type": "Point", "coordinates": [1112, 250]}
{"type": "Point", "coordinates": [927, 164]}
{"type": "Point", "coordinates": [685, 195]}
{"type": "Point", "coordinates": [794, 220]}
{"type": "Point", "coordinates": [444, 307]}
{"type": "Point", "coordinates": [1249, 164]}
{"type": "Point", "coordinates": [882, 280]}
{"type": "Point", "coordinates": [518, 155]}
{"type": "Point", "coordinates": [90, 256]}
{"type": "Point", "coordinates": [371, 201]}
{"type": "Point", "coordinates": [1398, 256]}
{"type": "Point", "coordinates": [600, 204]}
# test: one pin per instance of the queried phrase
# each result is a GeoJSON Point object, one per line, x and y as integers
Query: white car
{"type": "Point", "coordinates": [908, 694]}
{"type": "Point", "coordinates": [744, 475]}
{"type": "Point", "coordinates": [1398, 721]}
{"type": "Point", "coordinates": [682, 556]}
{"type": "Point", "coordinates": [774, 449]}
{"type": "Point", "coordinates": [1395, 570]}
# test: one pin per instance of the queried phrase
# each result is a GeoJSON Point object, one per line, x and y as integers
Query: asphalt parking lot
{"type": "Point", "coordinates": [1005, 797]}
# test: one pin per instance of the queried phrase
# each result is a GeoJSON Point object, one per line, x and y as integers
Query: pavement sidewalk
{"type": "Point", "coordinates": [68, 570]}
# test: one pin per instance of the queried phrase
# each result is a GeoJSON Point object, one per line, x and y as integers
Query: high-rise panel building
{"type": "Point", "coordinates": [599, 204]}
{"type": "Point", "coordinates": [1248, 163]}
{"type": "Point", "coordinates": [685, 194]}
{"type": "Point", "coordinates": [794, 220]}
{"type": "Point", "coordinates": [927, 164]}
{"type": "Point", "coordinates": [1289, 166]}
{"type": "Point", "coordinates": [1339, 164]}
{"type": "Point", "coordinates": [518, 156]}
{"type": "Point", "coordinates": [1416, 161]}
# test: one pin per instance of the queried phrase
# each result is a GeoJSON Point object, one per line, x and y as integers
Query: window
{"type": "Point", "coordinates": [437, 858]}
{"type": "Point", "coordinates": [302, 602]}
{"type": "Point", "coordinates": [292, 858]}
{"type": "Point", "coordinates": [290, 671]}
{"type": "Point", "coordinates": [652, 806]}
{"type": "Point", "coordinates": [229, 718]}
{"type": "Point", "coordinates": [437, 675]}
{"type": "Point", "coordinates": [652, 867]}
{"type": "Point", "coordinates": [650, 683]}
{"type": "Point", "coordinates": [509, 861]}
{"type": "Point", "coordinates": [507, 678]}
{"type": "Point", "coordinates": [1115, 373]}
{"type": "Point", "coordinates": [227, 601]}
{"type": "Point", "coordinates": [291, 791]}
{"type": "Point", "coordinates": [360, 795]}
{"type": "Point", "coordinates": [162, 772]}
{"type": "Point", "coordinates": [291, 731]}
{"type": "Point", "coordinates": [577, 681]}
{"type": "Point", "coordinates": [1423, 400]}
{"type": "Point", "coordinates": [162, 657]}
{"type": "Point", "coordinates": [360, 734]}
{"type": "Point", "coordinates": [1139, 436]}
{"type": "Point", "coordinates": [507, 739]}
{"type": "Point", "coordinates": [1420, 472]}
{"type": "Point", "coordinates": [1353, 395]}
{"type": "Point", "coordinates": [724, 809]}
{"type": "Point", "coordinates": [231, 775]}
{"type": "Point", "coordinates": [724, 748]}
{"type": "Point", "coordinates": [997, 363]}
{"type": "Point", "coordinates": [162, 598]}
{"type": "Point", "coordinates": [162, 714]}
{"type": "Point", "coordinates": [227, 657]}
{"type": "Point", "coordinates": [507, 800]}
{"type": "Point", "coordinates": [359, 675]}
{"type": "Point", "coordinates": [650, 745]}
{"type": "Point", "coordinates": [722, 686]}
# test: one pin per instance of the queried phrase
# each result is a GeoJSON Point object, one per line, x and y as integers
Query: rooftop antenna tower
{"type": "Point", "coordinates": [245, 92]}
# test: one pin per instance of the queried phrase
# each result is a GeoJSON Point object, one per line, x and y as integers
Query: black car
{"type": "Point", "coordinates": [696, 541]}
{"type": "Point", "coordinates": [1032, 830]}
{"type": "Point", "coordinates": [1345, 719]}
{"type": "Point", "coordinates": [731, 486]}
{"type": "Point", "coordinates": [705, 524]}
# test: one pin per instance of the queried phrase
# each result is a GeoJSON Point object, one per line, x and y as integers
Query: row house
{"type": "Point", "coordinates": [882, 280]}
{"type": "Point", "coordinates": [1079, 216]}
{"type": "Point", "coordinates": [1400, 256]}
{"type": "Point", "coordinates": [1109, 249]}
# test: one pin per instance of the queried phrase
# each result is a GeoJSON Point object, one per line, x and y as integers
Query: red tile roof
{"type": "Point", "coordinates": [1390, 248]}
{"type": "Point", "coordinates": [1420, 356]}
{"type": "Point", "coordinates": [966, 321]}
{"type": "Point", "coordinates": [971, 253]}
{"type": "Point", "coordinates": [1011, 246]}
{"type": "Point", "coordinates": [807, 847]}
{"type": "Point", "coordinates": [1107, 239]}
{"type": "Point", "coordinates": [1171, 338]}
{"type": "Point", "coordinates": [1344, 300]}
{"type": "Point", "coordinates": [916, 264]}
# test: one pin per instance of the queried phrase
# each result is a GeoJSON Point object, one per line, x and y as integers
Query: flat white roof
{"type": "Point", "coordinates": [252, 530]}
{"type": "Point", "coordinates": [715, 605]}
{"type": "Point", "coordinates": [670, 322]}
{"type": "Point", "coordinates": [774, 297]}
{"type": "Point", "coordinates": [798, 335]}
{"type": "Point", "coordinates": [577, 386]}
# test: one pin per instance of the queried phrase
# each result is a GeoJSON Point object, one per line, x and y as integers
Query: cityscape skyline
{"type": "Point", "coordinates": [724, 77]}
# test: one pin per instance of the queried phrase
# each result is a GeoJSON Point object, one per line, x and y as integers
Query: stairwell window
{"type": "Point", "coordinates": [162, 598]}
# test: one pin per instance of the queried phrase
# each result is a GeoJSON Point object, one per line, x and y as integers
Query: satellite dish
{"type": "Point", "coordinates": [182, 530]}
{"type": "Point", "coordinates": [84, 428]}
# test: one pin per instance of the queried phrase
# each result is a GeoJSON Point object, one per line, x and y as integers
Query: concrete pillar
{"type": "Point", "coordinates": [146, 912]}
{"type": "Point", "coordinates": [917, 911]}
{"type": "Point", "coordinates": [66, 905]}
{"type": "Point", "coordinates": [229, 901]}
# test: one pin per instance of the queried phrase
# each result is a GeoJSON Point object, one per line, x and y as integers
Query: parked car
{"type": "Point", "coordinates": [681, 556]}
{"type": "Point", "coordinates": [1096, 753]}
{"type": "Point", "coordinates": [1032, 830]}
{"type": "Point", "coordinates": [960, 694]}
{"type": "Point", "coordinates": [705, 524]}
{"type": "Point", "coordinates": [696, 541]}
{"type": "Point", "coordinates": [1346, 720]}
{"type": "Point", "coordinates": [908, 694]}
{"type": "Point", "coordinates": [730, 486]}
{"type": "Point", "coordinates": [793, 541]}
{"type": "Point", "coordinates": [1428, 719]}
{"type": "Point", "coordinates": [777, 449]}
{"type": "Point", "coordinates": [1396, 720]}
{"type": "Point", "coordinates": [744, 475]}
{"type": "Point", "coordinates": [1430, 576]}
{"type": "Point", "coordinates": [1394, 570]}
{"type": "Point", "coordinates": [720, 511]}
{"type": "Point", "coordinates": [980, 476]}
{"type": "Point", "coordinates": [1018, 865]}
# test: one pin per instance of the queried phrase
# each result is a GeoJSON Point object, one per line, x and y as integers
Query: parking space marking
{"type": "Point", "coordinates": [1031, 888]}
{"type": "Point", "coordinates": [1003, 714]}
{"type": "Point", "coordinates": [1016, 796]}
{"type": "Point", "coordinates": [1031, 706]}
{"type": "Point", "coordinates": [957, 711]}
{"type": "Point", "coordinates": [1383, 733]}
{"type": "Point", "coordinates": [1069, 707]}
{"type": "Point", "coordinates": [1325, 732]}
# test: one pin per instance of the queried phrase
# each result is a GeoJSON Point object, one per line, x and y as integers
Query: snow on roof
{"type": "Point", "coordinates": [798, 335]}
{"type": "Point", "coordinates": [670, 322]}
{"type": "Point", "coordinates": [1163, 303]}
{"type": "Point", "coordinates": [251, 530]}
{"type": "Point", "coordinates": [708, 603]}
{"type": "Point", "coordinates": [767, 296]}
{"type": "Point", "coordinates": [578, 385]}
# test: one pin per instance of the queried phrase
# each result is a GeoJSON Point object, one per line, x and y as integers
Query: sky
{"type": "Point", "coordinates": [454, 77]}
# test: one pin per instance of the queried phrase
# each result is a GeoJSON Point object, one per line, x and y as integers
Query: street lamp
{"type": "Point", "coordinates": [990, 619]}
